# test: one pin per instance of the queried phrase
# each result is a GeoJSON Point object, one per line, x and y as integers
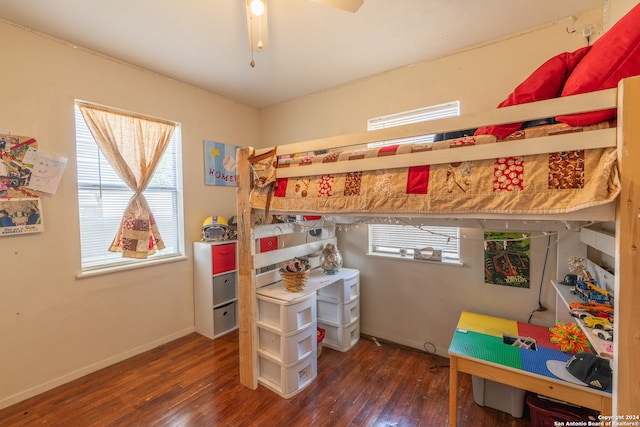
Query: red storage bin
{"type": "Point", "coordinates": [268, 244]}
{"type": "Point", "coordinates": [545, 412]}
{"type": "Point", "coordinates": [223, 258]}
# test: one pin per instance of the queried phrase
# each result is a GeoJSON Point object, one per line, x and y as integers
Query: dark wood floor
{"type": "Point", "coordinates": [193, 381]}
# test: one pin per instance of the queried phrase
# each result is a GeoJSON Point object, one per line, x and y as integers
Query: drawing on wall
{"type": "Point", "coordinates": [219, 163]}
{"type": "Point", "coordinates": [20, 216]}
{"type": "Point", "coordinates": [507, 259]}
{"type": "Point", "coordinates": [45, 170]}
{"type": "Point", "coordinates": [15, 174]}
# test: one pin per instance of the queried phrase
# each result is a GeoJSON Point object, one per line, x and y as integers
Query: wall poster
{"type": "Point", "coordinates": [20, 216]}
{"type": "Point", "coordinates": [20, 205]}
{"type": "Point", "coordinates": [507, 259]}
{"type": "Point", "coordinates": [219, 163]}
{"type": "Point", "coordinates": [15, 175]}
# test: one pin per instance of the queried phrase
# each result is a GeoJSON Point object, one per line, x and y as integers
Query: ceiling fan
{"type": "Point", "coordinates": [257, 20]}
{"type": "Point", "coordinates": [348, 5]}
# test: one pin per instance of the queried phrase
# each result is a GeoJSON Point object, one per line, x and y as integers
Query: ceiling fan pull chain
{"type": "Point", "coordinates": [252, 63]}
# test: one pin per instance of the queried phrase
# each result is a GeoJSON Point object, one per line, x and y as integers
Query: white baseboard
{"type": "Point", "coordinates": [444, 352]}
{"type": "Point", "coordinates": [41, 388]}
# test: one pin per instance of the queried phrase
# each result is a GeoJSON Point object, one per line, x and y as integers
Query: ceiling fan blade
{"type": "Point", "coordinates": [348, 5]}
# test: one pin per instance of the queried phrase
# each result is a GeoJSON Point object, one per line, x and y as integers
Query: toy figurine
{"type": "Point", "coordinates": [576, 266]}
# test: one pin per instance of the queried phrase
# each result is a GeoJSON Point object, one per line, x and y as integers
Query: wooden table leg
{"type": "Point", "coordinates": [453, 391]}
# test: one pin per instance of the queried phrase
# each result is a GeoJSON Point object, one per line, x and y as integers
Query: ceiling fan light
{"type": "Point", "coordinates": [256, 7]}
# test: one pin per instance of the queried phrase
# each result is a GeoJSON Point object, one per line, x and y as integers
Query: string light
{"type": "Point", "coordinates": [330, 223]}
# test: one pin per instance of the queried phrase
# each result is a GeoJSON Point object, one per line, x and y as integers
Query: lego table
{"type": "Point", "coordinates": [478, 348]}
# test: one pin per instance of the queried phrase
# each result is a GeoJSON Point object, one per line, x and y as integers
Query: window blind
{"type": "Point", "coordinates": [440, 111]}
{"type": "Point", "coordinates": [390, 238]}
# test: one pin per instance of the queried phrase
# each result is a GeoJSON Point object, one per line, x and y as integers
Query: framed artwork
{"type": "Point", "coordinates": [20, 216]}
{"type": "Point", "coordinates": [219, 163]}
{"type": "Point", "coordinates": [507, 259]}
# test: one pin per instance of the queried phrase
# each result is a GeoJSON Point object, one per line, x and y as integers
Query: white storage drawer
{"type": "Point", "coordinates": [287, 380]}
{"type": "Point", "coordinates": [285, 317]}
{"type": "Point", "coordinates": [224, 318]}
{"type": "Point", "coordinates": [338, 313]}
{"type": "Point", "coordinates": [340, 338]}
{"type": "Point", "coordinates": [344, 290]}
{"type": "Point", "coordinates": [287, 349]}
{"type": "Point", "coordinates": [224, 288]}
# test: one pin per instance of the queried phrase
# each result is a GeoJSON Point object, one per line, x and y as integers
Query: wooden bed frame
{"type": "Point", "coordinates": [625, 211]}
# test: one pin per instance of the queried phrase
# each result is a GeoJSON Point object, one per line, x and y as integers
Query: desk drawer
{"type": "Point", "coordinates": [286, 380]}
{"type": "Point", "coordinates": [287, 349]}
{"type": "Point", "coordinates": [287, 318]}
{"type": "Point", "coordinates": [342, 291]}
{"type": "Point", "coordinates": [340, 338]}
{"type": "Point", "coordinates": [338, 313]}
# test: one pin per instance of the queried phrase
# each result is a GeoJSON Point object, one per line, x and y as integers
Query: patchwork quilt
{"type": "Point", "coordinates": [552, 183]}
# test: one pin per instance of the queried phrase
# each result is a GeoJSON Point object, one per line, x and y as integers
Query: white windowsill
{"type": "Point", "coordinates": [117, 269]}
{"type": "Point", "coordinates": [411, 259]}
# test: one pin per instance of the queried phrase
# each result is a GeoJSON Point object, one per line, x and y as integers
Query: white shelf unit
{"type": "Point", "coordinates": [601, 250]}
{"type": "Point", "coordinates": [596, 245]}
{"type": "Point", "coordinates": [600, 239]}
{"type": "Point", "coordinates": [215, 288]}
{"type": "Point", "coordinates": [602, 347]}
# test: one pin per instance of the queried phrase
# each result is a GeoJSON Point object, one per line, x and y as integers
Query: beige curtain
{"type": "Point", "coordinates": [133, 146]}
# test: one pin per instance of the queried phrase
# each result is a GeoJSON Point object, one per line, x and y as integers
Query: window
{"type": "Point", "coordinates": [393, 239]}
{"type": "Point", "coordinates": [440, 111]}
{"type": "Point", "coordinates": [103, 197]}
{"type": "Point", "coordinates": [390, 239]}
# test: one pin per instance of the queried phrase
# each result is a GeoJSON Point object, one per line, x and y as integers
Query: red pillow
{"type": "Point", "coordinates": [545, 82]}
{"type": "Point", "coordinates": [614, 56]}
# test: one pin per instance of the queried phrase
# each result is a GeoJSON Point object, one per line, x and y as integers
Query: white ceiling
{"type": "Point", "coordinates": [311, 46]}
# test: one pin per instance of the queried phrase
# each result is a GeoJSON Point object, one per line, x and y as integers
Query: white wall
{"type": "Point", "coordinates": [616, 9]}
{"type": "Point", "coordinates": [480, 78]}
{"type": "Point", "coordinates": [54, 327]}
{"type": "Point", "coordinates": [411, 302]}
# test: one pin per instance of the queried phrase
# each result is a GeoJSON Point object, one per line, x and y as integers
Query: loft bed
{"type": "Point", "coordinates": [603, 189]}
{"type": "Point", "coordinates": [471, 175]}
